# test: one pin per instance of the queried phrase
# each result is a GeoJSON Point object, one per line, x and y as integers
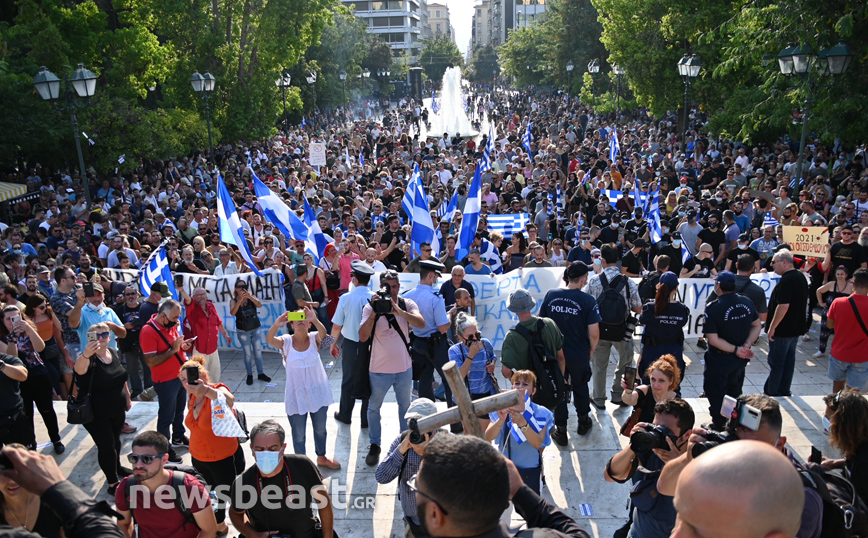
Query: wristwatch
{"type": "Point", "coordinates": [525, 427]}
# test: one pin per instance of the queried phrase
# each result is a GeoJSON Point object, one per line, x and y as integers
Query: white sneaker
{"type": "Point", "coordinates": [819, 355]}
{"type": "Point", "coordinates": [807, 338]}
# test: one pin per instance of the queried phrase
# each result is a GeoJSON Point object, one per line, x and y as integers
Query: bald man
{"type": "Point", "coordinates": [741, 489]}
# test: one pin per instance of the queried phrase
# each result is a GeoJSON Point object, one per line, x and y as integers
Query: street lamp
{"type": "Point", "coordinates": [343, 76]}
{"type": "Point", "coordinates": [366, 73]}
{"type": "Point", "coordinates": [283, 82]}
{"type": "Point", "coordinates": [570, 67]}
{"type": "Point", "coordinates": [311, 79]}
{"type": "Point", "coordinates": [688, 68]}
{"type": "Point", "coordinates": [619, 73]}
{"type": "Point", "coordinates": [81, 83]}
{"type": "Point", "coordinates": [593, 69]}
{"type": "Point", "coordinates": [809, 67]}
{"type": "Point", "coordinates": [204, 84]}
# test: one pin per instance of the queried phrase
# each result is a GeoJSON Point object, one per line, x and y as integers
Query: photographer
{"type": "Point", "coordinates": [768, 432]}
{"type": "Point", "coordinates": [652, 446]}
{"type": "Point", "coordinates": [386, 323]}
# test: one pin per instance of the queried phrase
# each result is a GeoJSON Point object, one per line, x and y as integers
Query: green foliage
{"type": "Point", "coordinates": [483, 66]}
{"type": "Point", "coordinates": [438, 55]}
{"type": "Point", "coordinates": [524, 55]}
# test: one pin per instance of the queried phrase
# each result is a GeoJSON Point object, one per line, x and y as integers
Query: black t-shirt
{"type": "Point", "coordinates": [633, 229]}
{"type": "Point", "coordinates": [608, 235]}
{"type": "Point", "coordinates": [129, 315]}
{"type": "Point", "coordinates": [851, 256]}
{"type": "Point", "coordinates": [713, 238]}
{"type": "Point", "coordinates": [572, 311]}
{"type": "Point", "coordinates": [730, 318]}
{"type": "Point", "coordinates": [736, 252]}
{"type": "Point", "coordinates": [667, 328]}
{"type": "Point", "coordinates": [107, 390]}
{"type": "Point", "coordinates": [295, 517]}
{"type": "Point", "coordinates": [674, 254]}
{"type": "Point", "coordinates": [10, 394]}
{"type": "Point", "coordinates": [632, 262]}
{"type": "Point", "coordinates": [705, 267]}
{"type": "Point", "coordinates": [792, 289]}
{"type": "Point", "coordinates": [394, 257]}
{"type": "Point", "coordinates": [602, 220]}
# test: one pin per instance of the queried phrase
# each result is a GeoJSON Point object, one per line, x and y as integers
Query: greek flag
{"type": "Point", "coordinates": [470, 221]}
{"type": "Point", "coordinates": [435, 107]}
{"type": "Point", "coordinates": [423, 226]}
{"type": "Point", "coordinates": [410, 195]}
{"type": "Point", "coordinates": [447, 211]}
{"type": "Point", "coordinates": [642, 200]}
{"type": "Point", "coordinates": [489, 149]}
{"type": "Point", "coordinates": [560, 202]}
{"type": "Point", "coordinates": [361, 158]}
{"type": "Point", "coordinates": [793, 182]}
{"type": "Point", "coordinates": [278, 213]}
{"type": "Point", "coordinates": [490, 255]}
{"type": "Point", "coordinates": [156, 269]}
{"type": "Point", "coordinates": [614, 147]}
{"type": "Point", "coordinates": [303, 122]}
{"type": "Point", "coordinates": [508, 224]}
{"type": "Point", "coordinates": [231, 231]}
{"type": "Point", "coordinates": [535, 423]}
{"type": "Point", "coordinates": [316, 240]}
{"type": "Point", "coordinates": [585, 178]}
{"type": "Point", "coordinates": [769, 220]}
{"type": "Point", "coordinates": [653, 217]}
{"type": "Point", "coordinates": [526, 139]}
{"type": "Point", "coordinates": [685, 254]}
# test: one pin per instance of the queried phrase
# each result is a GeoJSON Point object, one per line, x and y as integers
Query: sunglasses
{"type": "Point", "coordinates": [146, 459]}
{"type": "Point", "coordinates": [102, 335]}
{"type": "Point", "coordinates": [412, 485]}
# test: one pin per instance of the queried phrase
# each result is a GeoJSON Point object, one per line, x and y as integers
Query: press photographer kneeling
{"type": "Point", "coordinates": [652, 446]}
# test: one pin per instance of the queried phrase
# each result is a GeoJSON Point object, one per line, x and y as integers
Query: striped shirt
{"type": "Point", "coordinates": [478, 379]}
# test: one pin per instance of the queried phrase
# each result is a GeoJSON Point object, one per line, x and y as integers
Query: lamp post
{"type": "Point", "coordinates": [593, 69]}
{"type": "Point", "coordinates": [343, 76]}
{"type": "Point", "coordinates": [688, 67]}
{"type": "Point", "coordinates": [204, 84]}
{"type": "Point", "coordinates": [809, 67]}
{"type": "Point", "coordinates": [570, 67]}
{"type": "Point", "coordinates": [311, 79]}
{"type": "Point", "coordinates": [619, 73]}
{"type": "Point", "coordinates": [283, 82]}
{"type": "Point", "coordinates": [81, 83]}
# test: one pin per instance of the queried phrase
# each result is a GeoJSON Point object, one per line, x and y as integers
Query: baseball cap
{"type": "Point", "coordinates": [744, 237]}
{"type": "Point", "coordinates": [669, 279]}
{"type": "Point", "coordinates": [724, 277]}
{"type": "Point", "coordinates": [160, 287]}
{"type": "Point", "coordinates": [420, 408]}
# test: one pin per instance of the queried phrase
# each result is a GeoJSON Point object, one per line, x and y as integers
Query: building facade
{"type": "Point", "coordinates": [440, 22]}
{"type": "Point", "coordinates": [402, 23]}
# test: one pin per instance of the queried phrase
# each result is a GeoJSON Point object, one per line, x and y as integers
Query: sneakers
{"type": "Point", "coordinates": [819, 355]}
{"type": "Point", "coordinates": [559, 435]}
{"type": "Point", "coordinates": [702, 343]}
{"type": "Point", "coordinates": [263, 377]}
{"type": "Point", "coordinates": [806, 338]}
{"type": "Point", "coordinates": [58, 447]}
{"type": "Point", "coordinates": [181, 441]}
{"type": "Point", "coordinates": [174, 457]}
{"type": "Point", "coordinates": [250, 380]}
{"type": "Point", "coordinates": [128, 428]}
{"type": "Point", "coordinates": [585, 424]}
{"type": "Point", "coordinates": [373, 456]}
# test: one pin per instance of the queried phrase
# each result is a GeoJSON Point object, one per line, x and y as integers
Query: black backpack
{"type": "Point", "coordinates": [179, 473]}
{"type": "Point", "coordinates": [544, 363]}
{"type": "Point", "coordinates": [648, 286]}
{"type": "Point", "coordinates": [844, 513]}
{"type": "Point", "coordinates": [613, 308]}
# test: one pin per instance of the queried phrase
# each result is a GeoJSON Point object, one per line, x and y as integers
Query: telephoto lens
{"type": "Point", "coordinates": [650, 438]}
{"type": "Point", "coordinates": [712, 439]}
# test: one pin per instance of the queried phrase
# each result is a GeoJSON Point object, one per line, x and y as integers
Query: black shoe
{"type": "Point", "coordinates": [339, 418]}
{"type": "Point", "coordinates": [702, 344]}
{"type": "Point", "coordinates": [250, 380]}
{"type": "Point", "coordinates": [124, 472]}
{"type": "Point", "coordinates": [112, 489]}
{"type": "Point", "coordinates": [559, 435]}
{"type": "Point", "coordinates": [373, 456]}
{"type": "Point", "coordinates": [599, 405]}
{"type": "Point", "coordinates": [364, 425]}
{"type": "Point", "coordinates": [181, 441]}
{"type": "Point", "coordinates": [58, 447]}
{"type": "Point", "coordinates": [263, 377]}
{"type": "Point", "coordinates": [174, 457]}
{"type": "Point", "coordinates": [585, 424]}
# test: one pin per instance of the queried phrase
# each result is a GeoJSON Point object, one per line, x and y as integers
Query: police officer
{"type": "Point", "coordinates": [727, 320]}
{"type": "Point", "coordinates": [430, 348]}
{"type": "Point", "coordinates": [346, 322]}
{"type": "Point", "coordinates": [664, 319]}
{"type": "Point", "coordinates": [577, 316]}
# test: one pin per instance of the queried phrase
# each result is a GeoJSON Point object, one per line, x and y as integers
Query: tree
{"type": "Point", "coordinates": [575, 36]}
{"type": "Point", "coordinates": [484, 65]}
{"type": "Point", "coordinates": [526, 55]}
{"type": "Point", "coordinates": [438, 55]}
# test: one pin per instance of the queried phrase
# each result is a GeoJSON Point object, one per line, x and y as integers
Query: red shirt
{"type": "Point", "coordinates": [156, 522]}
{"type": "Point", "coordinates": [152, 343]}
{"type": "Point", "coordinates": [204, 327]}
{"type": "Point", "coordinates": [850, 340]}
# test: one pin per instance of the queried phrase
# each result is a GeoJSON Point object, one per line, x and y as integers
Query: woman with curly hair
{"type": "Point", "coordinates": [846, 420]}
{"type": "Point", "coordinates": [665, 376]}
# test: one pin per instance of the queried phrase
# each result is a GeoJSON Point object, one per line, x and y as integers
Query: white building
{"type": "Point", "coordinates": [402, 23]}
{"type": "Point", "coordinates": [480, 33]}
{"type": "Point", "coordinates": [440, 22]}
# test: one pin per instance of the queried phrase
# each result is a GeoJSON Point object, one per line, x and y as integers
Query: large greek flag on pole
{"type": "Point", "coordinates": [231, 231]}
{"type": "Point", "coordinates": [653, 217]}
{"type": "Point", "coordinates": [156, 269]}
{"type": "Point", "coordinates": [508, 224]}
{"type": "Point", "coordinates": [526, 139]}
{"type": "Point", "coordinates": [278, 213]}
{"type": "Point", "coordinates": [470, 220]}
{"type": "Point", "coordinates": [614, 147]}
{"type": "Point", "coordinates": [423, 225]}
{"type": "Point", "coordinates": [316, 239]}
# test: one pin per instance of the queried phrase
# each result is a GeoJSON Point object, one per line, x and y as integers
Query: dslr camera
{"type": "Point", "coordinates": [739, 414]}
{"type": "Point", "coordinates": [651, 437]}
{"type": "Point", "coordinates": [382, 300]}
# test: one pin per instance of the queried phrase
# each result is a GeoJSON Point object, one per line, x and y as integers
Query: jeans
{"type": "Point", "coordinates": [37, 389]}
{"type": "Point", "coordinates": [350, 354]}
{"type": "Point", "coordinates": [380, 384]}
{"type": "Point", "coordinates": [298, 425]}
{"type": "Point", "coordinates": [135, 362]}
{"type": "Point", "coordinates": [782, 363]}
{"type": "Point", "coordinates": [600, 365]}
{"type": "Point", "coordinates": [251, 345]}
{"type": "Point", "coordinates": [172, 399]}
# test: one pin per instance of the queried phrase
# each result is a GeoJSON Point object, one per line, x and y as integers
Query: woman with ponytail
{"type": "Point", "coordinates": [664, 319]}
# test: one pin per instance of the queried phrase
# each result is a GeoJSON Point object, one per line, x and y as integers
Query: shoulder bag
{"type": "Point", "coordinates": [79, 409]}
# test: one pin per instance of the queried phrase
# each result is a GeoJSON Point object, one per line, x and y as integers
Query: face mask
{"type": "Point", "coordinates": [598, 261]}
{"type": "Point", "coordinates": [169, 324]}
{"type": "Point", "coordinates": [681, 213]}
{"type": "Point", "coordinates": [400, 176]}
{"type": "Point", "coordinates": [665, 230]}
{"type": "Point", "coordinates": [614, 224]}
{"type": "Point", "coordinates": [718, 199]}
{"type": "Point", "coordinates": [95, 308]}
{"type": "Point", "coordinates": [712, 225]}
{"type": "Point", "coordinates": [742, 247]}
{"type": "Point", "coordinates": [584, 242]}
{"type": "Point", "coordinates": [827, 424]}
{"type": "Point", "coordinates": [267, 461]}
{"type": "Point", "coordinates": [676, 243]}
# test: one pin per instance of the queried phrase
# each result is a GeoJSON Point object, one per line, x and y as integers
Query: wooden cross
{"type": "Point", "coordinates": [466, 409]}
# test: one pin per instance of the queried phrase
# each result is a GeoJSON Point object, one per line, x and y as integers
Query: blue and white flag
{"type": "Point", "coordinates": [585, 178]}
{"type": "Point", "coordinates": [447, 211]}
{"type": "Point", "coordinates": [489, 149]}
{"type": "Point", "coordinates": [470, 220]}
{"type": "Point", "coordinates": [535, 423]}
{"type": "Point", "coordinates": [653, 218]}
{"type": "Point", "coordinates": [560, 202]}
{"type": "Point", "coordinates": [156, 269]}
{"type": "Point", "coordinates": [490, 255]}
{"type": "Point", "coordinates": [231, 231]}
{"type": "Point", "coordinates": [407, 203]}
{"type": "Point", "coordinates": [435, 107]}
{"type": "Point", "coordinates": [685, 253]}
{"type": "Point", "coordinates": [361, 158]}
{"type": "Point", "coordinates": [614, 195]}
{"type": "Point", "coordinates": [640, 199]}
{"type": "Point", "coordinates": [316, 240]}
{"type": "Point", "coordinates": [526, 139]}
{"type": "Point", "coordinates": [769, 220]}
{"type": "Point", "coordinates": [793, 183]}
{"type": "Point", "coordinates": [278, 213]}
{"type": "Point", "coordinates": [303, 122]}
{"type": "Point", "coordinates": [508, 224]}
{"type": "Point", "coordinates": [423, 226]}
{"type": "Point", "coordinates": [614, 147]}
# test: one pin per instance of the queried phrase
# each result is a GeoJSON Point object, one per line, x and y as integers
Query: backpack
{"type": "Point", "coordinates": [613, 308]}
{"type": "Point", "coordinates": [844, 513]}
{"type": "Point", "coordinates": [544, 363]}
{"type": "Point", "coordinates": [179, 473]}
{"type": "Point", "coordinates": [648, 286]}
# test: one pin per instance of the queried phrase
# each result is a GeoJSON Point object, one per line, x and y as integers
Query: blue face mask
{"type": "Point", "coordinates": [676, 243]}
{"type": "Point", "coordinates": [598, 261]}
{"type": "Point", "coordinates": [742, 247]}
{"type": "Point", "coordinates": [267, 461]}
{"type": "Point", "coordinates": [827, 423]}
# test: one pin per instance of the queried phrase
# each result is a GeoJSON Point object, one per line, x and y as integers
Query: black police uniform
{"type": "Point", "coordinates": [664, 334]}
{"type": "Point", "coordinates": [730, 317]}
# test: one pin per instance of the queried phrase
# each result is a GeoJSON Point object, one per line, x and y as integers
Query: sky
{"type": "Point", "coordinates": [461, 15]}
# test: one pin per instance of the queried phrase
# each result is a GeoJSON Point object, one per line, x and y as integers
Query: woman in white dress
{"type": "Point", "coordinates": [307, 388]}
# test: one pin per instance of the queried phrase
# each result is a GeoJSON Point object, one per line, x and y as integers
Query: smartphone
{"type": "Point", "coordinates": [179, 281]}
{"type": "Point", "coordinates": [816, 455]}
{"type": "Point", "coordinates": [192, 376]}
{"type": "Point", "coordinates": [92, 337]}
{"type": "Point", "coordinates": [295, 316]}
{"type": "Point", "coordinates": [750, 417]}
{"type": "Point", "coordinates": [88, 289]}
{"type": "Point", "coordinates": [728, 406]}
{"type": "Point", "coordinates": [629, 376]}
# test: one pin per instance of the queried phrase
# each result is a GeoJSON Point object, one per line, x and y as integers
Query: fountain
{"type": "Point", "coordinates": [452, 117]}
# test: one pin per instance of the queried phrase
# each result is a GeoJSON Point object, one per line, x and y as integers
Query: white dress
{"type": "Point", "coordinates": [307, 387]}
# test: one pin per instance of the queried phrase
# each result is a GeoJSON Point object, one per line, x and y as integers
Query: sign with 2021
{"type": "Point", "coordinates": [491, 292]}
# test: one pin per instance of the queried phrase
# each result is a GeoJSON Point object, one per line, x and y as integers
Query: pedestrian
{"type": "Point", "coordinates": [476, 361]}
{"type": "Point", "coordinates": [204, 323]}
{"type": "Point", "coordinates": [129, 346]}
{"type": "Point", "coordinates": [789, 311]}
{"type": "Point", "coordinates": [840, 286]}
{"type": "Point", "coordinates": [49, 329]}
{"type": "Point", "coordinates": [848, 316]}
{"type": "Point", "coordinates": [245, 307]}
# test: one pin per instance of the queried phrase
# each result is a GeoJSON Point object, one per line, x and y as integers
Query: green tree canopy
{"type": "Point", "coordinates": [439, 55]}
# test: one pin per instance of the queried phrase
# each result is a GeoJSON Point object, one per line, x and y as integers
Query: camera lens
{"type": "Point", "coordinates": [643, 441]}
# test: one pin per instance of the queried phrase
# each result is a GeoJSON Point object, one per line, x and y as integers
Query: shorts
{"type": "Point", "coordinates": [855, 373]}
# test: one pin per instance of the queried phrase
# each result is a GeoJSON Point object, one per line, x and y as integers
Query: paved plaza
{"type": "Point", "coordinates": [574, 474]}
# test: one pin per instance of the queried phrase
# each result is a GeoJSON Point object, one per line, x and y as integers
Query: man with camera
{"type": "Point", "coordinates": [386, 323]}
{"type": "Point", "coordinates": [754, 417]}
{"type": "Point", "coordinates": [652, 446]}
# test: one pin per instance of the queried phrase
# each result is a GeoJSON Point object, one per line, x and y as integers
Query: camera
{"type": "Point", "coordinates": [415, 435]}
{"type": "Point", "coordinates": [712, 439]}
{"type": "Point", "coordinates": [651, 437]}
{"type": "Point", "coordinates": [739, 414]}
{"type": "Point", "coordinates": [382, 300]}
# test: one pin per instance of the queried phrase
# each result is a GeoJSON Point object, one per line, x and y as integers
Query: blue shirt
{"type": "Point", "coordinates": [573, 311]}
{"type": "Point", "coordinates": [431, 307]}
{"type": "Point", "coordinates": [524, 455]}
{"type": "Point", "coordinates": [348, 313]}
{"type": "Point", "coordinates": [478, 380]}
{"type": "Point", "coordinates": [483, 270]}
{"type": "Point", "coordinates": [90, 317]}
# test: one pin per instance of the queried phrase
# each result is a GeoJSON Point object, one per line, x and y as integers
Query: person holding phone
{"type": "Point", "coordinates": [307, 387]}
{"type": "Point", "coordinates": [664, 376]}
{"type": "Point", "coordinates": [475, 359]}
{"type": "Point", "coordinates": [245, 307]}
{"type": "Point", "coordinates": [99, 368]}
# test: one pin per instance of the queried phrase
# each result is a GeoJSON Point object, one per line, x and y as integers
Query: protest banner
{"type": "Point", "coordinates": [317, 154]}
{"type": "Point", "coordinates": [807, 240]}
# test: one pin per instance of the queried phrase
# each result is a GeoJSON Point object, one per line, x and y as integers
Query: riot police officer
{"type": "Point", "coordinates": [664, 319]}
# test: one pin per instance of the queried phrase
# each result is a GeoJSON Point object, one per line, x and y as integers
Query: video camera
{"type": "Point", "coordinates": [739, 414]}
{"type": "Point", "coordinates": [651, 437]}
{"type": "Point", "coordinates": [382, 300]}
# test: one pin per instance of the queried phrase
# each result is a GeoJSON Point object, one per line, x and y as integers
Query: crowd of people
{"type": "Point", "coordinates": [71, 330]}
